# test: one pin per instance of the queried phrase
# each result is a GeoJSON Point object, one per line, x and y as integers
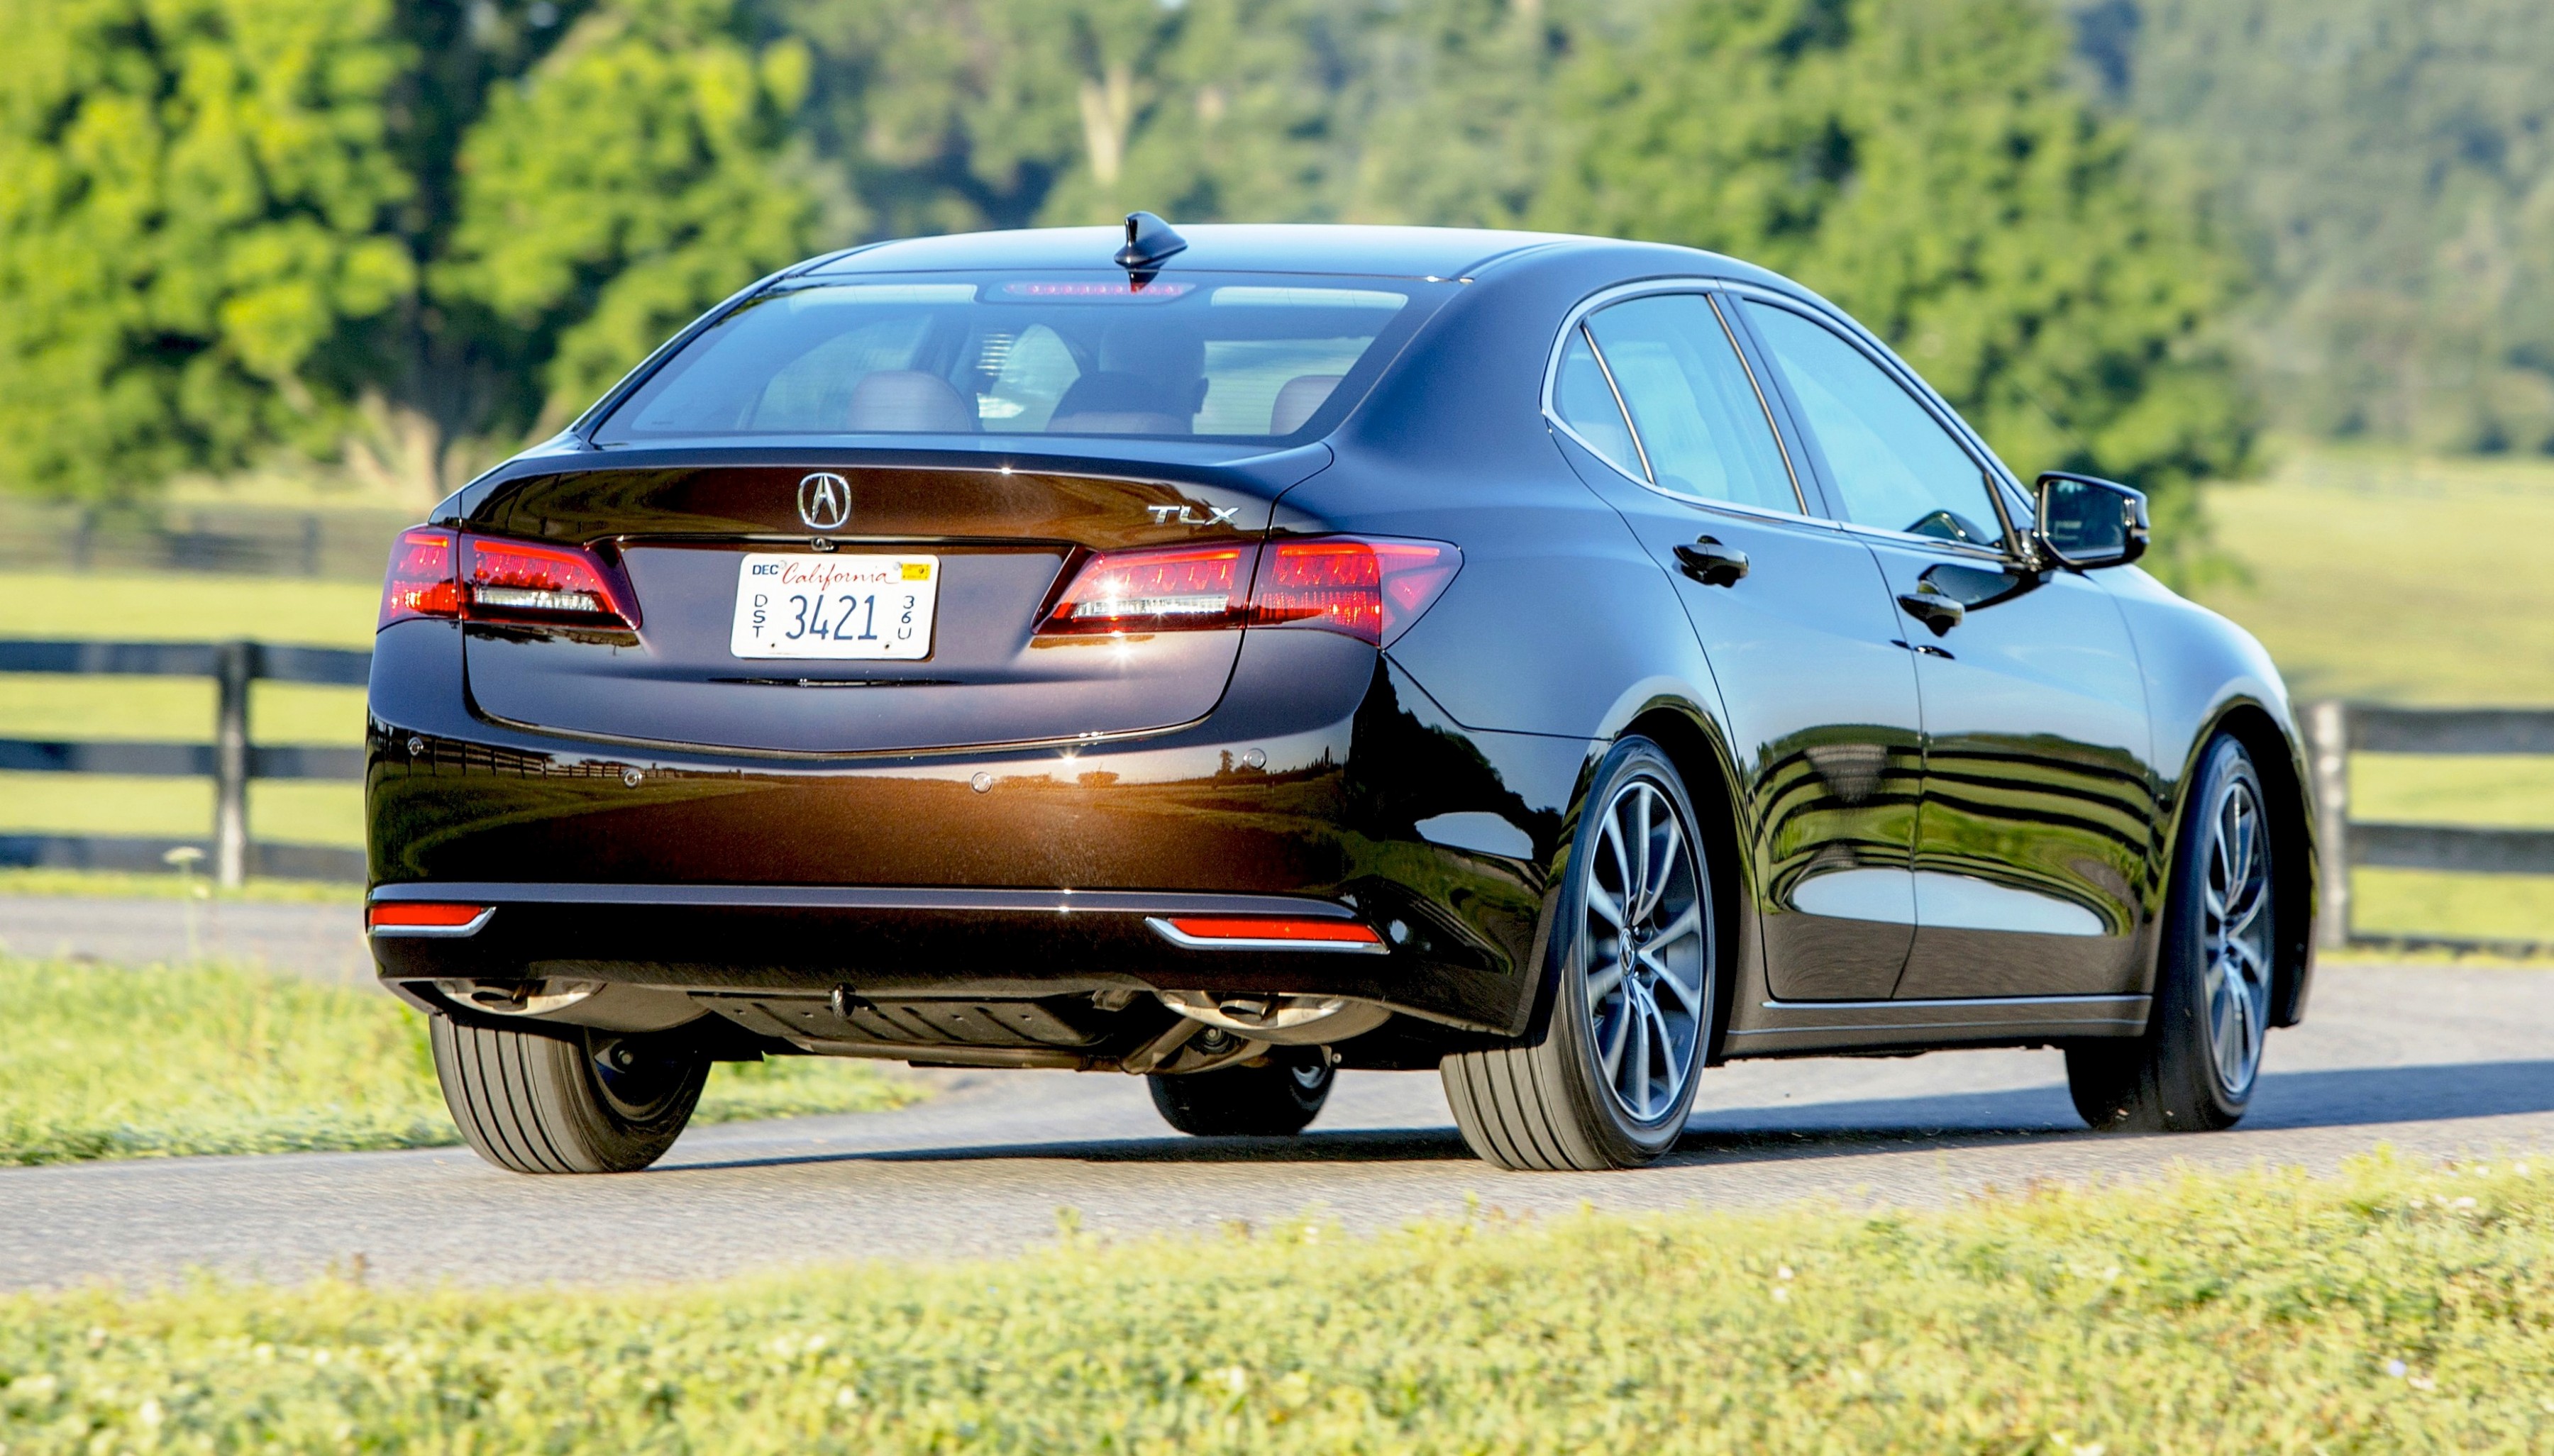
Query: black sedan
{"type": "Point", "coordinates": [1230, 657]}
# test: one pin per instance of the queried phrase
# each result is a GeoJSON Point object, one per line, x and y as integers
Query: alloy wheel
{"type": "Point", "coordinates": [1646, 943]}
{"type": "Point", "coordinates": [2234, 936]}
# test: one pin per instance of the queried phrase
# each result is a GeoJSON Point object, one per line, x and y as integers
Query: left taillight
{"type": "Point", "coordinates": [1371, 587]}
{"type": "Point", "coordinates": [420, 581]}
{"type": "Point", "coordinates": [449, 574]}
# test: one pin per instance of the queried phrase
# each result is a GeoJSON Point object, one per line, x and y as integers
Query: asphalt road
{"type": "Point", "coordinates": [324, 943]}
{"type": "Point", "coordinates": [2433, 1061]}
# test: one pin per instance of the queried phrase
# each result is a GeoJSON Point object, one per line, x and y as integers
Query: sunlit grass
{"type": "Point", "coordinates": [2393, 1308]}
{"type": "Point", "coordinates": [99, 1061]}
{"type": "Point", "coordinates": [2396, 578]}
{"type": "Point", "coordinates": [180, 607]}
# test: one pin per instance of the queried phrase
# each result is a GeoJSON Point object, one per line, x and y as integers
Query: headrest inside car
{"type": "Point", "coordinates": [907, 401]}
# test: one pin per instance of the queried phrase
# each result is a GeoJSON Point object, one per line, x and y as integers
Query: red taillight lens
{"type": "Point", "coordinates": [422, 915]}
{"type": "Point", "coordinates": [1174, 589]}
{"type": "Point", "coordinates": [439, 573]}
{"type": "Point", "coordinates": [517, 580]}
{"type": "Point", "coordinates": [1368, 588]}
{"type": "Point", "coordinates": [420, 581]}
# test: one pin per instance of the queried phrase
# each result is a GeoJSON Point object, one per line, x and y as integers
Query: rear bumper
{"type": "Point", "coordinates": [1020, 872]}
{"type": "Point", "coordinates": [967, 945]}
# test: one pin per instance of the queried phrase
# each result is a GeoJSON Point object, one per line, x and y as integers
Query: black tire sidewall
{"type": "Point", "coordinates": [1568, 1034]}
{"type": "Point", "coordinates": [2185, 1059]}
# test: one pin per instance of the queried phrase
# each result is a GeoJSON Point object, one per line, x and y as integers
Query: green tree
{"type": "Point", "coordinates": [1921, 163]}
{"type": "Point", "coordinates": [638, 175]}
{"type": "Point", "coordinates": [194, 208]}
{"type": "Point", "coordinates": [2391, 169]}
{"type": "Point", "coordinates": [395, 233]}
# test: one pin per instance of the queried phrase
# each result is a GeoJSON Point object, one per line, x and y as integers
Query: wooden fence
{"type": "Point", "coordinates": [2336, 731]}
{"type": "Point", "coordinates": [230, 760]}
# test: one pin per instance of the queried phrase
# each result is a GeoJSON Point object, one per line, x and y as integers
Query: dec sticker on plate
{"type": "Point", "coordinates": [876, 607]}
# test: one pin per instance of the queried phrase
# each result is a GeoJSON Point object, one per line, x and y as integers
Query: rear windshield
{"type": "Point", "coordinates": [1223, 355]}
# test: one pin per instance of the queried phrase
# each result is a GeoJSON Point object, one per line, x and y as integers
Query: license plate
{"type": "Point", "coordinates": [856, 607]}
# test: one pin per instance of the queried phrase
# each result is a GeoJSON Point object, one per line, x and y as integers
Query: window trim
{"type": "Point", "coordinates": [1993, 474]}
{"type": "Point", "coordinates": [1575, 321]}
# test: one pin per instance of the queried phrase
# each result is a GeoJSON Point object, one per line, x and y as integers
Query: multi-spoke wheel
{"type": "Point", "coordinates": [1632, 956]}
{"type": "Point", "coordinates": [2196, 1065]}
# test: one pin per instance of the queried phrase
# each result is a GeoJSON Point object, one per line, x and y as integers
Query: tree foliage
{"type": "Point", "coordinates": [368, 229]}
{"type": "Point", "coordinates": [1921, 163]}
{"type": "Point", "coordinates": [405, 233]}
{"type": "Point", "coordinates": [2390, 167]}
{"type": "Point", "coordinates": [193, 200]}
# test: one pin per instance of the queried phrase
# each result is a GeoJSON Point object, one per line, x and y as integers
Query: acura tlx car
{"type": "Point", "coordinates": [1228, 658]}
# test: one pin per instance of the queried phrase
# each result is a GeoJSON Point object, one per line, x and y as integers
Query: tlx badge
{"type": "Point", "coordinates": [1187, 515]}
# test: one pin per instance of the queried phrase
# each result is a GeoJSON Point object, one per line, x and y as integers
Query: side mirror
{"type": "Point", "coordinates": [2086, 522]}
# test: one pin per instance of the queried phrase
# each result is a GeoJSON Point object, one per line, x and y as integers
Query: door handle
{"type": "Point", "coordinates": [1711, 563]}
{"type": "Point", "coordinates": [1935, 611]}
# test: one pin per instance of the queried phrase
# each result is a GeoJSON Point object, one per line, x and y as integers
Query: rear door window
{"type": "Point", "coordinates": [1701, 428]}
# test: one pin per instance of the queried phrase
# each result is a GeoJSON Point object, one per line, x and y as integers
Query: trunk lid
{"type": "Point", "coordinates": [996, 541]}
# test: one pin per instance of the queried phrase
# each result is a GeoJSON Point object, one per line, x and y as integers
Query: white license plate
{"type": "Point", "coordinates": [860, 607]}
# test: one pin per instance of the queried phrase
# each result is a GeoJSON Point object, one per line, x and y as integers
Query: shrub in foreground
{"type": "Point", "coordinates": [2391, 1309]}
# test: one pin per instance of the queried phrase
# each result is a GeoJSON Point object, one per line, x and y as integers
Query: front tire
{"type": "Point", "coordinates": [603, 1102]}
{"type": "Point", "coordinates": [1277, 1098]}
{"type": "Point", "coordinates": [1632, 956]}
{"type": "Point", "coordinates": [2201, 1058]}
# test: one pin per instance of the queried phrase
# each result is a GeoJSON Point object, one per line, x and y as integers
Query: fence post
{"type": "Point", "coordinates": [234, 666]}
{"type": "Point", "coordinates": [2328, 762]}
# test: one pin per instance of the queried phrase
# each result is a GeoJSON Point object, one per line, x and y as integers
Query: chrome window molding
{"type": "Point", "coordinates": [2014, 550]}
{"type": "Point", "coordinates": [1576, 320]}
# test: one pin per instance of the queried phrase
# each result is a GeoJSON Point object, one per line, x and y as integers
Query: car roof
{"type": "Point", "coordinates": [1316, 248]}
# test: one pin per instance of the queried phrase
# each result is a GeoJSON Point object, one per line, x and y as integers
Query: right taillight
{"type": "Point", "coordinates": [1370, 588]}
{"type": "Point", "coordinates": [1154, 590]}
{"type": "Point", "coordinates": [450, 575]}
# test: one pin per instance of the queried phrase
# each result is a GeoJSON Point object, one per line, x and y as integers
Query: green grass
{"type": "Point", "coordinates": [44, 706]}
{"type": "Point", "coordinates": [102, 1062]}
{"type": "Point", "coordinates": [188, 608]}
{"type": "Point", "coordinates": [2394, 578]}
{"type": "Point", "coordinates": [2393, 1308]}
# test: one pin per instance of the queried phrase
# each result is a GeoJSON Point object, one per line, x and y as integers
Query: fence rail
{"type": "Point", "coordinates": [346, 543]}
{"type": "Point", "coordinates": [230, 760]}
{"type": "Point", "coordinates": [2336, 731]}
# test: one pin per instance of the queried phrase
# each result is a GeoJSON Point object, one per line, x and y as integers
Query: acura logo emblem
{"type": "Point", "coordinates": [825, 501]}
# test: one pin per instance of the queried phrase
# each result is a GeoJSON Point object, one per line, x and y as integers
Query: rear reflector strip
{"type": "Point", "coordinates": [426, 918]}
{"type": "Point", "coordinates": [1259, 933]}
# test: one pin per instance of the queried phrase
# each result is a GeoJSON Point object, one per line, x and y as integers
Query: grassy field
{"type": "Point", "coordinates": [2393, 1308]}
{"type": "Point", "coordinates": [2368, 575]}
{"type": "Point", "coordinates": [107, 1062]}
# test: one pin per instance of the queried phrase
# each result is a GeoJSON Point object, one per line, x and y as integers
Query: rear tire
{"type": "Point", "coordinates": [604, 1102]}
{"type": "Point", "coordinates": [2195, 1069]}
{"type": "Point", "coordinates": [1278, 1098]}
{"type": "Point", "coordinates": [1633, 960]}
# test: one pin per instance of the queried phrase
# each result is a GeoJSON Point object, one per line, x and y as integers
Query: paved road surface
{"type": "Point", "coordinates": [322, 941]}
{"type": "Point", "coordinates": [2433, 1061]}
